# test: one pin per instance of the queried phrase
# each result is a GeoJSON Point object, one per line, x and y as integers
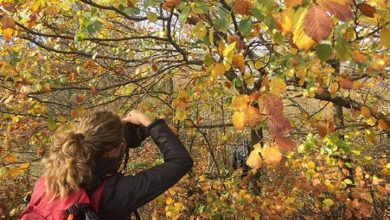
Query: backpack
{"type": "Point", "coordinates": [76, 205]}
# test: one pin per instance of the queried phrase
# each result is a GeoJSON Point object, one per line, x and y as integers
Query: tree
{"type": "Point", "coordinates": [312, 74]}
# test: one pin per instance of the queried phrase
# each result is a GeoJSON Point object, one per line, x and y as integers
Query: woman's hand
{"type": "Point", "coordinates": [137, 117]}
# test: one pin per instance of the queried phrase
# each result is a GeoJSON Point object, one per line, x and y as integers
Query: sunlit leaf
{"type": "Point", "coordinates": [271, 154]}
{"type": "Point", "coordinates": [240, 103]}
{"type": "Point", "coordinates": [277, 86]}
{"type": "Point", "coordinates": [254, 160]}
{"type": "Point", "coordinates": [238, 120]}
{"type": "Point", "coordinates": [252, 116]}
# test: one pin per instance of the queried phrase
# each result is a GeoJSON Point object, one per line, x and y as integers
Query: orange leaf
{"type": "Point", "coordinates": [365, 112]}
{"type": "Point", "coordinates": [238, 120]}
{"type": "Point", "coordinates": [10, 159]}
{"type": "Point", "coordinates": [367, 9]}
{"type": "Point", "coordinates": [238, 61]}
{"type": "Point", "coordinates": [285, 143]}
{"type": "Point", "coordinates": [252, 116]}
{"type": "Point", "coordinates": [292, 3]}
{"type": "Point", "coordinates": [345, 83]}
{"type": "Point", "coordinates": [242, 7]}
{"type": "Point", "coordinates": [317, 23]}
{"type": "Point", "coordinates": [254, 96]}
{"type": "Point", "coordinates": [358, 56]}
{"type": "Point", "coordinates": [333, 87]}
{"type": "Point", "coordinates": [240, 103]}
{"type": "Point", "coordinates": [383, 125]}
{"type": "Point", "coordinates": [169, 4]}
{"type": "Point", "coordinates": [285, 20]}
{"type": "Point", "coordinates": [7, 34]}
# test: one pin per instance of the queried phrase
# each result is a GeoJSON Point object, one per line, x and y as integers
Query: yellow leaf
{"type": "Point", "coordinates": [180, 115]}
{"type": "Point", "coordinates": [200, 30]}
{"type": "Point", "coordinates": [300, 38]}
{"type": "Point", "coordinates": [211, 36]}
{"type": "Point", "coordinates": [382, 125]}
{"type": "Point", "coordinates": [240, 103]}
{"type": "Point", "coordinates": [24, 166]}
{"type": "Point", "coordinates": [370, 121]}
{"type": "Point", "coordinates": [38, 4]}
{"type": "Point", "coordinates": [365, 112]}
{"type": "Point", "coordinates": [254, 160]}
{"type": "Point", "coordinates": [370, 136]}
{"type": "Point", "coordinates": [328, 202]}
{"type": "Point", "coordinates": [217, 69]}
{"type": "Point", "coordinates": [151, 16]}
{"type": "Point", "coordinates": [238, 120]}
{"type": "Point", "coordinates": [271, 154]}
{"type": "Point", "coordinates": [258, 64]}
{"type": "Point", "coordinates": [378, 64]}
{"type": "Point", "coordinates": [385, 38]}
{"type": "Point", "coordinates": [286, 19]}
{"type": "Point", "coordinates": [277, 86]}
{"type": "Point", "coordinates": [7, 34]}
{"type": "Point", "coordinates": [15, 172]}
{"type": "Point", "coordinates": [228, 54]}
{"type": "Point", "coordinates": [169, 201]}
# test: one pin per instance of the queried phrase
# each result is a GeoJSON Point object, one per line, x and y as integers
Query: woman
{"type": "Point", "coordinates": [90, 153]}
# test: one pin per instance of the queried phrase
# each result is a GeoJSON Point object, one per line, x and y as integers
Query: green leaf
{"type": "Point", "coordinates": [51, 124]}
{"type": "Point", "coordinates": [278, 37]}
{"type": "Point", "coordinates": [94, 26]}
{"type": "Point", "coordinates": [257, 14]}
{"type": "Point", "coordinates": [343, 48]}
{"type": "Point", "coordinates": [132, 11]}
{"type": "Point", "coordinates": [13, 57]}
{"type": "Point", "coordinates": [348, 181]}
{"type": "Point", "coordinates": [245, 26]}
{"type": "Point", "coordinates": [184, 14]}
{"type": "Point", "coordinates": [222, 24]}
{"type": "Point", "coordinates": [323, 51]}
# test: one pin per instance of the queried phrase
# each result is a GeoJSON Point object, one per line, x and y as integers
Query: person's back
{"type": "Point", "coordinates": [90, 153]}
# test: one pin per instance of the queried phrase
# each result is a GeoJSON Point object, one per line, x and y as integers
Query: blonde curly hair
{"type": "Point", "coordinates": [74, 149]}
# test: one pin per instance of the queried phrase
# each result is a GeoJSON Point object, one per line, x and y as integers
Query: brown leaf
{"type": "Point", "coordinates": [285, 143]}
{"type": "Point", "coordinates": [278, 125]}
{"type": "Point", "coordinates": [367, 9]}
{"type": "Point", "coordinates": [169, 4]}
{"type": "Point", "coordinates": [317, 23]}
{"type": "Point", "coordinates": [270, 104]}
{"type": "Point", "coordinates": [342, 9]}
{"type": "Point", "coordinates": [8, 7]}
{"type": "Point", "coordinates": [242, 7]}
{"type": "Point", "coordinates": [7, 22]}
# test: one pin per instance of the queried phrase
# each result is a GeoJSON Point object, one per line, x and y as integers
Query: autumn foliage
{"type": "Point", "coordinates": [306, 82]}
